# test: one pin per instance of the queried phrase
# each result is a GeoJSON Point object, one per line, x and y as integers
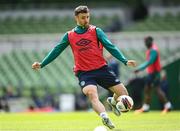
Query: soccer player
{"type": "Point", "coordinates": [153, 68]}
{"type": "Point", "coordinates": [87, 42]}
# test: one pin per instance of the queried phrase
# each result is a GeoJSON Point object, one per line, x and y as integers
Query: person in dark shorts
{"type": "Point", "coordinates": [153, 68]}
{"type": "Point", "coordinates": [87, 42]}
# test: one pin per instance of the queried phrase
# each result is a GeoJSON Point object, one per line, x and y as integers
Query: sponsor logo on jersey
{"type": "Point", "coordinates": [83, 42]}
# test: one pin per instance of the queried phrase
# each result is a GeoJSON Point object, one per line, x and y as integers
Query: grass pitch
{"type": "Point", "coordinates": [87, 121]}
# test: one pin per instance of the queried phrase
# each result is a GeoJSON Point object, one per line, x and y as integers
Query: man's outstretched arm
{"type": "Point", "coordinates": [56, 51]}
{"type": "Point", "coordinates": [113, 49]}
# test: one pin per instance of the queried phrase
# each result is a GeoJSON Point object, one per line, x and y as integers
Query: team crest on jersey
{"type": "Point", "coordinates": [82, 83]}
{"type": "Point", "coordinates": [83, 42]}
{"type": "Point", "coordinates": [117, 80]}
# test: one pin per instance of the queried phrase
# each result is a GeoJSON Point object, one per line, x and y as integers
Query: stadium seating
{"type": "Point", "coordinates": [16, 70]}
{"type": "Point", "coordinates": [168, 22]}
{"type": "Point", "coordinates": [15, 66]}
{"type": "Point", "coordinates": [44, 24]}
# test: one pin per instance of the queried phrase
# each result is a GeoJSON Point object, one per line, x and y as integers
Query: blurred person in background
{"type": "Point", "coordinates": [164, 85]}
{"type": "Point", "coordinates": [87, 42]}
{"type": "Point", "coordinates": [113, 64]}
{"type": "Point", "coordinates": [153, 68]}
{"type": "Point", "coordinates": [4, 105]}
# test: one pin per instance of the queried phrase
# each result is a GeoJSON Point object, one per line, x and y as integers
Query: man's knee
{"type": "Point", "coordinates": [91, 93]}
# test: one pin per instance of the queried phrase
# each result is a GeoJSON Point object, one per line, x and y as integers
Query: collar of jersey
{"type": "Point", "coordinates": [80, 29]}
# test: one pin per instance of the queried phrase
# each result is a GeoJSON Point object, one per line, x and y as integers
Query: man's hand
{"type": "Point", "coordinates": [131, 63]}
{"type": "Point", "coordinates": [36, 65]}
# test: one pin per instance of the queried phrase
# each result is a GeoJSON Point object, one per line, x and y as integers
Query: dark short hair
{"type": "Point", "coordinates": [149, 38]}
{"type": "Point", "coordinates": [81, 9]}
{"type": "Point", "coordinates": [148, 41]}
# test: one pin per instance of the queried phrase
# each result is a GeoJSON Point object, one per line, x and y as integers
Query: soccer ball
{"type": "Point", "coordinates": [125, 103]}
{"type": "Point", "coordinates": [100, 128]}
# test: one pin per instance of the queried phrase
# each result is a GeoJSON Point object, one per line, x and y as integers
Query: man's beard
{"type": "Point", "coordinates": [86, 25]}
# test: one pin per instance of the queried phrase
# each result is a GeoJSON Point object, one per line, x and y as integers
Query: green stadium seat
{"type": "Point", "coordinates": [15, 68]}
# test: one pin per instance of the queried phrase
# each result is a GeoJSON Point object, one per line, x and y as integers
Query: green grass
{"type": "Point", "coordinates": [87, 121]}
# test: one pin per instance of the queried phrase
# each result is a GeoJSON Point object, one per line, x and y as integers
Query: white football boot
{"type": "Point", "coordinates": [114, 109]}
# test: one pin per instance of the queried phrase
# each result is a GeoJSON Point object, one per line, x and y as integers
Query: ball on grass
{"type": "Point", "coordinates": [100, 128]}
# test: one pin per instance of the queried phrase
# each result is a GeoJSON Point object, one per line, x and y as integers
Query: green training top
{"type": "Point", "coordinates": [58, 49]}
{"type": "Point", "coordinates": [152, 59]}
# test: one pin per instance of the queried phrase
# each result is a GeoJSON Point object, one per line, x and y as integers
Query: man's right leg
{"type": "Point", "coordinates": [91, 92]}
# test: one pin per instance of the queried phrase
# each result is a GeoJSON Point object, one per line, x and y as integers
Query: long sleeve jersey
{"type": "Point", "coordinates": [152, 59]}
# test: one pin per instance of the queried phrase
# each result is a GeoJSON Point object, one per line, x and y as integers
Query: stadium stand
{"type": "Point", "coordinates": [157, 22]}
{"type": "Point", "coordinates": [16, 68]}
{"type": "Point", "coordinates": [45, 24]}
{"type": "Point", "coordinates": [15, 64]}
